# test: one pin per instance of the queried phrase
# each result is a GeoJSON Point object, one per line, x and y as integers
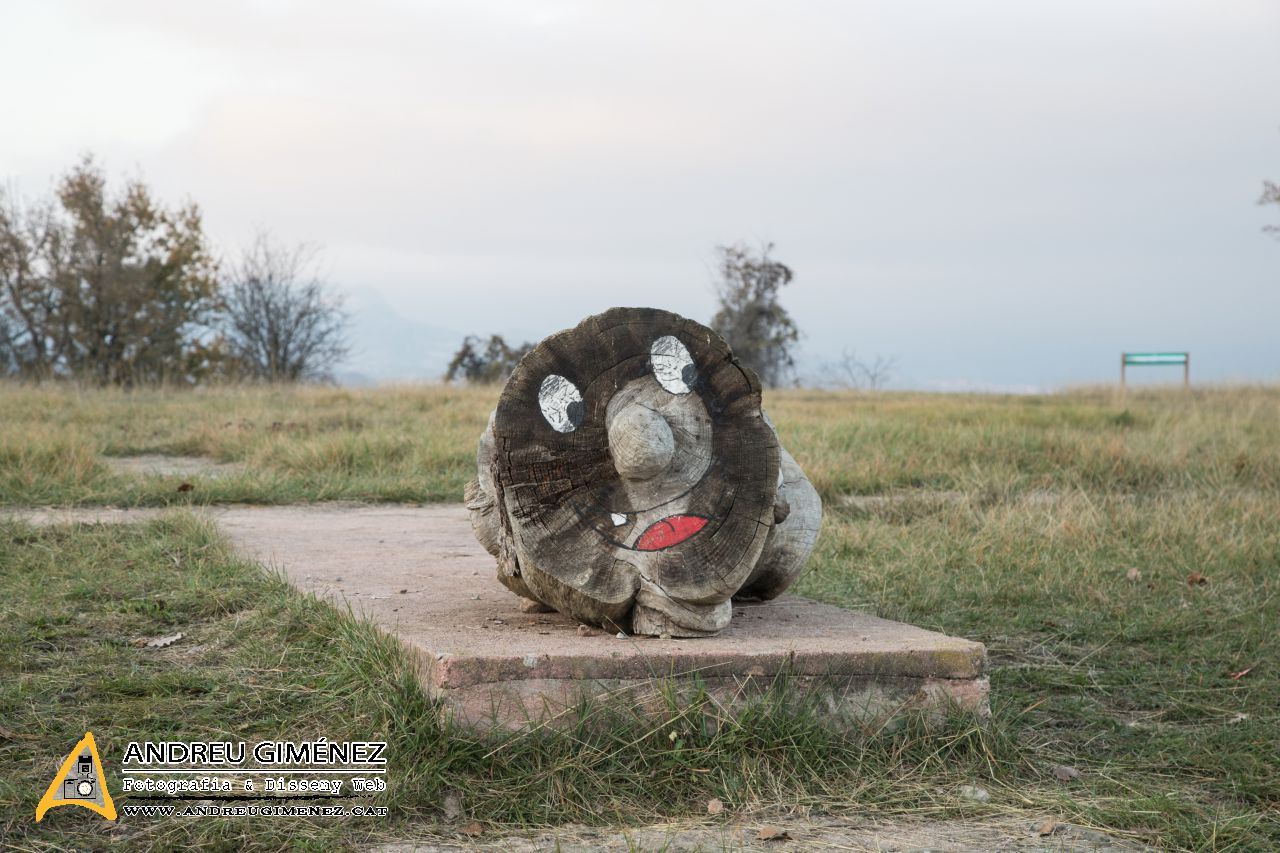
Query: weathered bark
{"type": "Point", "coordinates": [629, 478]}
{"type": "Point", "coordinates": [795, 530]}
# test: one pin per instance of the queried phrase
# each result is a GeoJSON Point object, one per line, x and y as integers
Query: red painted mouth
{"type": "Point", "coordinates": [671, 530]}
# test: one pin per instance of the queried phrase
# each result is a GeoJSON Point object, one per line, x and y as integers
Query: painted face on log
{"type": "Point", "coordinates": [631, 458]}
{"type": "Point", "coordinates": [660, 441]}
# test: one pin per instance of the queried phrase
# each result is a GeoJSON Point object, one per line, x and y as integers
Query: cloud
{"type": "Point", "coordinates": [946, 179]}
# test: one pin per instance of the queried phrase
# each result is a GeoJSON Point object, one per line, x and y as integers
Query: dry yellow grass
{"type": "Point", "coordinates": [417, 443]}
{"type": "Point", "coordinates": [1060, 530]}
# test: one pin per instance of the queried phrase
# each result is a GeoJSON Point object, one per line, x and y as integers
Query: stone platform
{"type": "Point", "coordinates": [419, 575]}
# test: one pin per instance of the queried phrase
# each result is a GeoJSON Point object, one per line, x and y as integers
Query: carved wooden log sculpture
{"type": "Point", "coordinates": [630, 479]}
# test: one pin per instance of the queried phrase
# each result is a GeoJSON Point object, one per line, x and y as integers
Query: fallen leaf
{"type": "Point", "coordinates": [1065, 773]}
{"type": "Point", "coordinates": [1242, 673]}
{"type": "Point", "coordinates": [185, 487]}
{"type": "Point", "coordinates": [161, 642]}
{"type": "Point", "coordinates": [772, 833]}
{"type": "Point", "coordinates": [974, 793]}
{"type": "Point", "coordinates": [473, 829]}
{"type": "Point", "coordinates": [1196, 579]}
{"type": "Point", "coordinates": [1047, 827]}
{"type": "Point", "coordinates": [1134, 575]}
{"type": "Point", "coordinates": [715, 805]}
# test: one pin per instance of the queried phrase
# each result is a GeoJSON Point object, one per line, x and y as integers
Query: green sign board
{"type": "Point", "coordinates": [1177, 359]}
{"type": "Point", "coordinates": [1157, 357]}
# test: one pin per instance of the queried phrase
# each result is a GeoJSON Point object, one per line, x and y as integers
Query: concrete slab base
{"type": "Point", "coordinates": [419, 575]}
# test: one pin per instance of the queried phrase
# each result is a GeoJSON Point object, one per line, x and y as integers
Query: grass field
{"type": "Point", "coordinates": [1119, 556]}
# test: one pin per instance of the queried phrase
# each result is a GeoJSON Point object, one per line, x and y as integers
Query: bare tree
{"type": "Point", "coordinates": [481, 362]}
{"type": "Point", "coordinates": [760, 331]}
{"type": "Point", "coordinates": [31, 334]}
{"type": "Point", "coordinates": [1270, 195]}
{"type": "Point", "coordinates": [852, 372]}
{"type": "Point", "coordinates": [281, 322]}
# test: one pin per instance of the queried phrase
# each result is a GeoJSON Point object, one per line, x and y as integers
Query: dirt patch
{"type": "Point", "coordinates": [1013, 835]}
{"type": "Point", "coordinates": [164, 465]}
{"type": "Point", "coordinates": [44, 516]}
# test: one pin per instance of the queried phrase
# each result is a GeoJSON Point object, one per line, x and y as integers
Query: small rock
{"type": "Point", "coordinates": [1065, 773]}
{"type": "Point", "coordinates": [772, 833]}
{"type": "Point", "coordinates": [588, 631]}
{"type": "Point", "coordinates": [452, 807]}
{"type": "Point", "coordinates": [621, 635]}
{"type": "Point", "coordinates": [528, 605]}
{"type": "Point", "coordinates": [473, 829]}
{"type": "Point", "coordinates": [1046, 827]}
{"type": "Point", "coordinates": [403, 591]}
{"type": "Point", "coordinates": [715, 805]}
{"type": "Point", "coordinates": [974, 793]}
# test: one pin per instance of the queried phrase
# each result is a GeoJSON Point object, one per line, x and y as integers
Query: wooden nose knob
{"type": "Point", "coordinates": [640, 442]}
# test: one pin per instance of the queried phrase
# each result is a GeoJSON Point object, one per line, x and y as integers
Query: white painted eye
{"type": "Point", "coordinates": [561, 403]}
{"type": "Point", "coordinates": [672, 365]}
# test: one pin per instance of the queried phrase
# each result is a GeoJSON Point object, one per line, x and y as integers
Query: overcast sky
{"type": "Point", "coordinates": [1001, 195]}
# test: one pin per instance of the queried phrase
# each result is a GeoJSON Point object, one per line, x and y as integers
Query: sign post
{"type": "Point", "coordinates": [1137, 359]}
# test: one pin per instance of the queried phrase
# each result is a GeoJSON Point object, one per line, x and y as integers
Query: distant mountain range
{"type": "Point", "coordinates": [386, 346]}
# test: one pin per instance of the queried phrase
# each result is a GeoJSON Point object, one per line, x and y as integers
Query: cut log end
{"type": "Point", "coordinates": [639, 485]}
